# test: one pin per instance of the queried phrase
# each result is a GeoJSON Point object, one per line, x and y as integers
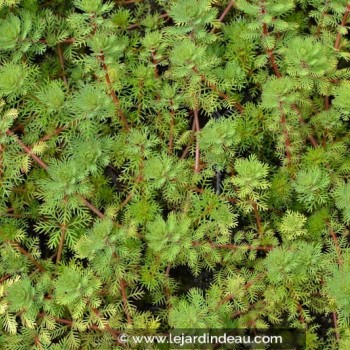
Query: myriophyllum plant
{"type": "Point", "coordinates": [144, 140]}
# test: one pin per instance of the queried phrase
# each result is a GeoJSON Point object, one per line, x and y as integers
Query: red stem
{"type": "Point", "coordinates": [302, 121]}
{"type": "Point", "coordinates": [55, 132]}
{"type": "Point", "coordinates": [238, 106]}
{"type": "Point", "coordinates": [28, 255]}
{"type": "Point", "coordinates": [61, 60]}
{"type": "Point", "coordinates": [28, 150]}
{"type": "Point", "coordinates": [227, 9]}
{"type": "Point", "coordinates": [184, 154]}
{"type": "Point", "coordinates": [301, 316]}
{"type": "Point", "coordinates": [4, 278]}
{"type": "Point", "coordinates": [265, 33]}
{"type": "Point", "coordinates": [125, 300]}
{"type": "Point", "coordinates": [223, 15]}
{"type": "Point", "coordinates": [112, 93]}
{"type": "Point", "coordinates": [215, 89]}
{"type": "Point", "coordinates": [342, 24]}
{"type": "Point", "coordinates": [273, 63]}
{"type": "Point", "coordinates": [336, 243]}
{"type": "Point", "coordinates": [246, 286]}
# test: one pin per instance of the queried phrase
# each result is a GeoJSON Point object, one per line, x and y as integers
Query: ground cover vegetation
{"type": "Point", "coordinates": [178, 163]}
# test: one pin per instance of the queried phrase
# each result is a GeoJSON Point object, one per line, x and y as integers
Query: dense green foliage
{"type": "Point", "coordinates": [140, 138]}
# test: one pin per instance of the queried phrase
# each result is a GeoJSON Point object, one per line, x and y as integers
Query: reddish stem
{"type": "Point", "coordinates": [227, 9]}
{"type": "Point", "coordinates": [93, 208]}
{"type": "Point", "coordinates": [28, 255]}
{"type": "Point", "coordinates": [65, 41]}
{"type": "Point", "coordinates": [55, 132]}
{"type": "Point", "coordinates": [301, 316]}
{"type": "Point", "coordinates": [270, 53]}
{"type": "Point", "coordinates": [125, 300]}
{"type": "Point", "coordinates": [223, 15]}
{"type": "Point", "coordinates": [336, 330]}
{"type": "Point", "coordinates": [112, 93]}
{"type": "Point", "coordinates": [60, 246]}
{"type": "Point", "coordinates": [302, 121]}
{"type": "Point", "coordinates": [342, 24]}
{"type": "Point", "coordinates": [336, 244]}
{"type": "Point", "coordinates": [185, 152]}
{"type": "Point", "coordinates": [28, 150]}
{"type": "Point", "coordinates": [4, 278]}
{"type": "Point", "coordinates": [61, 60]}
{"type": "Point", "coordinates": [212, 86]}
{"type": "Point", "coordinates": [246, 286]}
{"type": "Point", "coordinates": [273, 63]}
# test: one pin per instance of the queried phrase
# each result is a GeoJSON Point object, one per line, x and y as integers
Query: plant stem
{"type": "Point", "coordinates": [336, 244]}
{"type": "Point", "coordinates": [336, 330]}
{"type": "Point", "coordinates": [112, 92]}
{"type": "Point", "coordinates": [342, 24]}
{"type": "Point", "coordinates": [57, 131]}
{"type": "Point", "coordinates": [60, 246]}
{"type": "Point", "coordinates": [27, 150]}
{"type": "Point", "coordinates": [4, 278]}
{"type": "Point", "coordinates": [125, 300]}
{"type": "Point", "coordinates": [28, 255]}
{"type": "Point", "coordinates": [213, 87]}
{"type": "Point", "coordinates": [224, 13]}
{"type": "Point", "coordinates": [197, 129]}
{"type": "Point", "coordinates": [61, 60]}
{"type": "Point", "coordinates": [270, 53]}
{"type": "Point", "coordinates": [185, 152]}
